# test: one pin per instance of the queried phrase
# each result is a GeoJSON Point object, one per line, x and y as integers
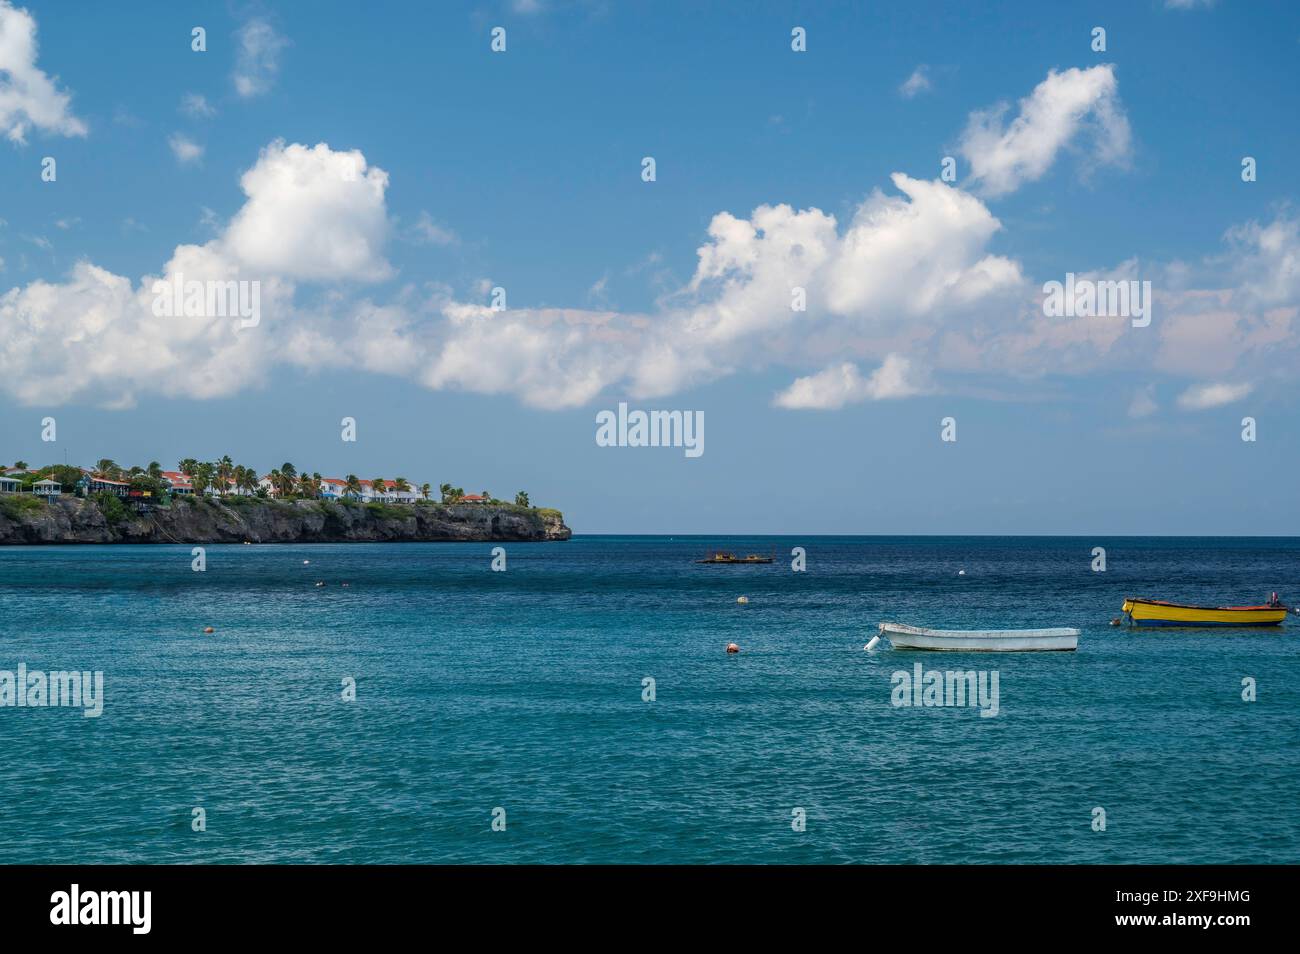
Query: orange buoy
{"type": "Point", "coordinates": [208, 629]}
{"type": "Point", "coordinates": [732, 648]}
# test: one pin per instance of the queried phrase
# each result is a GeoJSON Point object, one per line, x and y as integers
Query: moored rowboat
{"type": "Point", "coordinates": [726, 558]}
{"type": "Point", "coordinates": [981, 640]}
{"type": "Point", "coordinates": [1144, 612]}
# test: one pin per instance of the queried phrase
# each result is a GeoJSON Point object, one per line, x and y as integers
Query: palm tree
{"type": "Point", "coordinates": [401, 485]}
{"type": "Point", "coordinates": [285, 482]}
{"type": "Point", "coordinates": [188, 466]}
{"type": "Point", "coordinates": [155, 469]}
{"type": "Point", "coordinates": [277, 482]}
{"type": "Point", "coordinates": [309, 486]}
{"type": "Point", "coordinates": [107, 467]}
{"type": "Point", "coordinates": [225, 471]}
{"type": "Point", "coordinates": [521, 499]}
{"type": "Point", "coordinates": [486, 495]}
{"type": "Point", "coordinates": [445, 490]}
{"type": "Point", "coordinates": [245, 478]}
{"type": "Point", "coordinates": [201, 479]}
{"type": "Point", "coordinates": [425, 490]}
{"type": "Point", "coordinates": [377, 487]}
{"type": "Point", "coordinates": [352, 486]}
{"type": "Point", "coordinates": [20, 465]}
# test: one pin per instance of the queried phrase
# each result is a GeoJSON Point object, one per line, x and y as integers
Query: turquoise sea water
{"type": "Point", "coordinates": [523, 690]}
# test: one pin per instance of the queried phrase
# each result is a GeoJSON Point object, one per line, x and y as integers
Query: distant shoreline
{"type": "Point", "coordinates": [75, 521]}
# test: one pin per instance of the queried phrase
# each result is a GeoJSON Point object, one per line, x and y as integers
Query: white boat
{"type": "Point", "coordinates": [980, 640]}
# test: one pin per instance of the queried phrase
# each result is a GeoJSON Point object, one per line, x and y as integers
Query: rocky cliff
{"type": "Point", "coordinates": [256, 520]}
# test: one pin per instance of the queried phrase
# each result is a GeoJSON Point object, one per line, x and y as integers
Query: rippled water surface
{"type": "Point", "coordinates": [523, 690]}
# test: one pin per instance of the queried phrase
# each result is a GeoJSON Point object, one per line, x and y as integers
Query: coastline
{"type": "Point", "coordinates": [71, 521]}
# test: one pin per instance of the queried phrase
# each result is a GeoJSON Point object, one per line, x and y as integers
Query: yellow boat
{"type": "Point", "coordinates": [1159, 613]}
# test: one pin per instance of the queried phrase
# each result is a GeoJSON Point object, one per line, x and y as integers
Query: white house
{"type": "Point", "coordinates": [9, 486]}
{"type": "Point", "coordinates": [331, 488]}
{"type": "Point", "coordinates": [394, 495]}
{"type": "Point", "coordinates": [179, 482]}
{"type": "Point", "coordinates": [49, 489]}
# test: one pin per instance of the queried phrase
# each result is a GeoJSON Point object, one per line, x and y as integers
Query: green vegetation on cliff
{"type": "Point", "coordinates": [104, 518]}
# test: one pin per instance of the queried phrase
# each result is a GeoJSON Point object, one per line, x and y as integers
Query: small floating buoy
{"type": "Point", "coordinates": [208, 629]}
{"type": "Point", "coordinates": [732, 648]}
{"type": "Point", "coordinates": [961, 572]}
{"type": "Point", "coordinates": [1117, 621]}
{"type": "Point", "coordinates": [872, 644]}
{"type": "Point", "coordinates": [320, 582]}
{"type": "Point", "coordinates": [345, 584]}
{"type": "Point", "coordinates": [742, 599]}
{"type": "Point", "coordinates": [305, 562]}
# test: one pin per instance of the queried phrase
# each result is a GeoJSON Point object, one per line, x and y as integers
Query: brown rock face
{"type": "Point", "coordinates": [272, 521]}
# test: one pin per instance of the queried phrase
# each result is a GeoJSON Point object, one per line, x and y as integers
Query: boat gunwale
{"type": "Point", "coordinates": [1193, 606]}
{"type": "Point", "coordinates": [1055, 632]}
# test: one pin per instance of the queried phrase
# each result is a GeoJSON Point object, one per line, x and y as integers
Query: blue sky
{"type": "Point", "coordinates": [394, 169]}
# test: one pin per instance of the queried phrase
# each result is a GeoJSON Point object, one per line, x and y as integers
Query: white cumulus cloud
{"type": "Point", "coordinates": [28, 97]}
{"type": "Point", "coordinates": [836, 386]}
{"type": "Point", "coordinates": [312, 213]}
{"type": "Point", "coordinates": [1066, 106]}
{"type": "Point", "coordinates": [315, 214]}
{"type": "Point", "coordinates": [907, 282]}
